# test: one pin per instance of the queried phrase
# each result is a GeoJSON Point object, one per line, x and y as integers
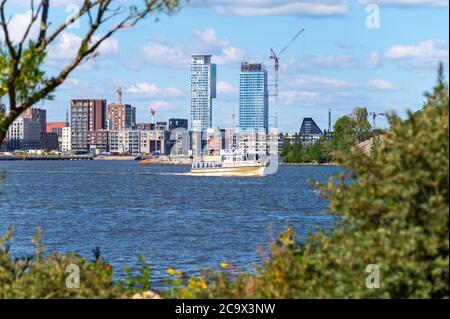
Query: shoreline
{"type": "Point", "coordinates": [310, 164]}
{"type": "Point", "coordinates": [115, 158]}
{"type": "Point", "coordinates": [163, 160]}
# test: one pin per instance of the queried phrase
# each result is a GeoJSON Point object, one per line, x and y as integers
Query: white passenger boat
{"type": "Point", "coordinates": [228, 164]}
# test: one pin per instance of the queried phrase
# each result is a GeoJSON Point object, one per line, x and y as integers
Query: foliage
{"type": "Point", "coordinates": [40, 276]}
{"type": "Point", "coordinates": [351, 129]}
{"type": "Point", "coordinates": [319, 152]}
{"type": "Point", "coordinates": [45, 277]}
{"type": "Point", "coordinates": [138, 279]}
{"type": "Point", "coordinates": [30, 76]}
{"type": "Point", "coordinates": [348, 130]}
{"type": "Point", "coordinates": [343, 137]}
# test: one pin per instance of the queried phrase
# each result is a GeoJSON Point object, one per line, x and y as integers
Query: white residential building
{"type": "Point", "coordinates": [203, 90]}
{"type": "Point", "coordinates": [153, 141]}
{"type": "Point", "coordinates": [124, 142]}
{"type": "Point", "coordinates": [24, 134]}
{"type": "Point", "coordinates": [66, 139]}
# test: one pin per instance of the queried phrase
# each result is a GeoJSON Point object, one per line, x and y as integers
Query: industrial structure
{"type": "Point", "coordinates": [276, 58]}
{"type": "Point", "coordinates": [374, 116]}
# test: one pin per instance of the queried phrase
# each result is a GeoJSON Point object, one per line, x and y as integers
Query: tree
{"type": "Point", "coordinates": [22, 77]}
{"type": "Point", "coordinates": [351, 129]}
{"type": "Point", "coordinates": [343, 134]}
{"type": "Point", "coordinates": [361, 126]}
{"type": "Point", "coordinates": [286, 146]}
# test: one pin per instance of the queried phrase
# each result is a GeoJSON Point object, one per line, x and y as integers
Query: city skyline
{"type": "Point", "coordinates": [337, 62]}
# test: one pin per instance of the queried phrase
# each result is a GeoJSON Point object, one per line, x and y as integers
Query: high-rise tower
{"type": "Point", "coordinates": [253, 98]}
{"type": "Point", "coordinates": [203, 90]}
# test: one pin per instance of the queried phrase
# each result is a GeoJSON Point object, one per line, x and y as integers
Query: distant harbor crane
{"type": "Point", "coordinates": [276, 57]}
{"type": "Point", "coordinates": [119, 92]}
{"type": "Point", "coordinates": [374, 116]}
{"type": "Point", "coordinates": [153, 112]}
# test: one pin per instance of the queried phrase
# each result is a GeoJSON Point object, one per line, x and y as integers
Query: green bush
{"type": "Point", "coordinates": [45, 277]}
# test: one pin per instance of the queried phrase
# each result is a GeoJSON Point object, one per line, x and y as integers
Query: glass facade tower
{"type": "Point", "coordinates": [203, 90]}
{"type": "Point", "coordinates": [253, 98]}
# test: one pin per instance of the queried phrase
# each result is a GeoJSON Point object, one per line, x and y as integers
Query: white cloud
{"type": "Point", "coordinates": [162, 53]}
{"type": "Point", "coordinates": [225, 88]}
{"type": "Point", "coordinates": [229, 55]}
{"type": "Point", "coordinates": [209, 38]}
{"type": "Point", "coordinates": [108, 47]}
{"type": "Point", "coordinates": [152, 90]}
{"type": "Point", "coordinates": [320, 82]}
{"type": "Point", "coordinates": [311, 8]}
{"type": "Point", "coordinates": [326, 83]}
{"type": "Point", "coordinates": [18, 25]}
{"type": "Point", "coordinates": [71, 83]}
{"type": "Point", "coordinates": [424, 55]}
{"type": "Point", "coordinates": [66, 47]}
{"type": "Point", "coordinates": [381, 85]}
{"type": "Point", "coordinates": [315, 62]}
{"type": "Point", "coordinates": [68, 44]}
{"type": "Point", "coordinates": [373, 60]}
{"type": "Point", "coordinates": [54, 3]}
{"type": "Point", "coordinates": [290, 97]}
{"type": "Point", "coordinates": [425, 3]}
{"type": "Point", "coordinates": [160, 104]}
{"type": "Point", "coordinates": [223, 52]}
{"type": "Point", "coordinates": [338, 61]}
{"type": "Point", "coordinates": [165, 55]}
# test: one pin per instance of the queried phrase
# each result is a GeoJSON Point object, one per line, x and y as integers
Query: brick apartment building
{"type": "Point", "coordinates": [121, 116]}
{"type": "Point", "coordinates": [87, 116]}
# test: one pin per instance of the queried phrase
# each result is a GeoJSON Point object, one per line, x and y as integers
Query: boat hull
{"type": "Point", "coordinates": [229, 171]}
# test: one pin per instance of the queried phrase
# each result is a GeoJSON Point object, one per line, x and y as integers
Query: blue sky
{"type": "Point", "coordinates": [337, 63]}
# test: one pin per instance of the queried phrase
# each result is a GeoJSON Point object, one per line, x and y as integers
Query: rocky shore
{"type": "Point", "coordinates": [115, 158]}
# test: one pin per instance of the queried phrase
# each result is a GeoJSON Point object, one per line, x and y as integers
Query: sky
{"type": "Point", "coordinates": [345, 58]}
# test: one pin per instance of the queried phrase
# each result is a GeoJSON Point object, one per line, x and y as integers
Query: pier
{"type": "Point", "coordinates": [46, 158]}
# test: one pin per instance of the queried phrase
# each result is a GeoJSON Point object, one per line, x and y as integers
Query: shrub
{"type": "Point", "coordinates": [45, 277]}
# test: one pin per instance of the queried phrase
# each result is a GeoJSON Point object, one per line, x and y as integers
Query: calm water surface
{"type": "Point", "coordinates": [175, 220]}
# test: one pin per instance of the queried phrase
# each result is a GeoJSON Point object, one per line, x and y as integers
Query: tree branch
{"type": "Point", "coordinates": [4, 25]}
{"type": "Point", "coordinates": [44, 16]}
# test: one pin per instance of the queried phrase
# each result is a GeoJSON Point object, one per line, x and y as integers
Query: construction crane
{"type": "Point", "coordinates": [276, 57]}
{"type": "Point", "coordinates": [119, 92]}
{"type": "Point", "coordinates": [153, 112]}
{"type": "Point", "coordinates": [374, 116]}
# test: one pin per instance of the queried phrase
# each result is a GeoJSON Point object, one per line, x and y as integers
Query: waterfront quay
{"type": "Point", "coordinates": [46, 158]}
